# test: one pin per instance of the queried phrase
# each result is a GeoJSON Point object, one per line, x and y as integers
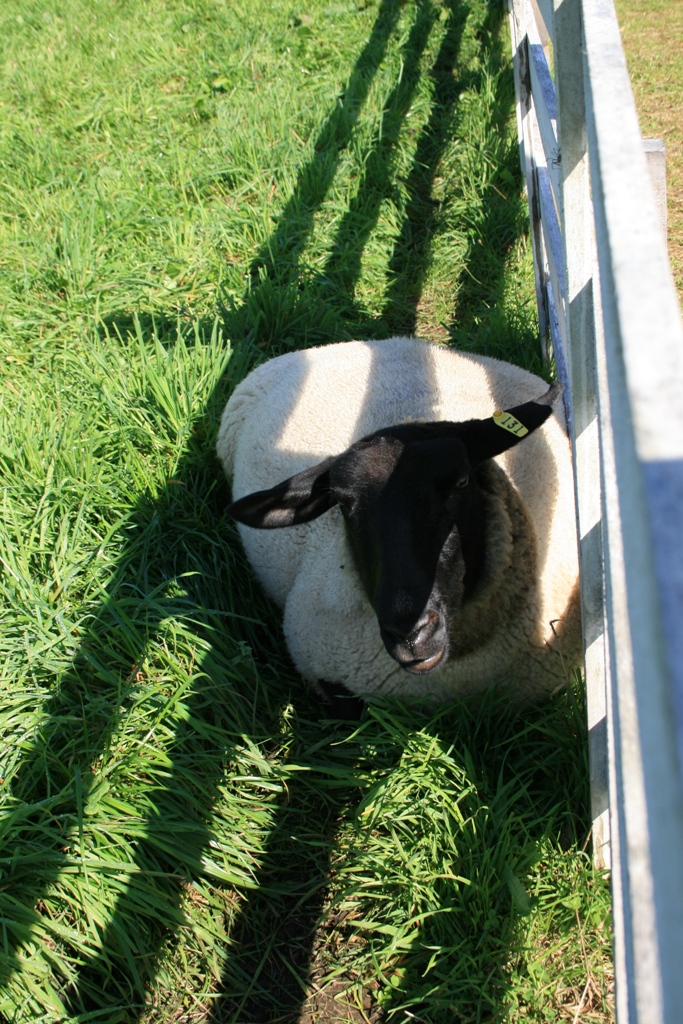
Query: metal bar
{"type": "Point", "coordinates": [656, 165]}
{"type": "Point", "coordinates": [544, 105]}
{"type": "Point", "coordinates": [552, 235]}
{"type": "Point", "coordinates": [543, 15]}
{"type": "Point", "coordinates": [543, 95]}
{"type": "Point", "coordinates": [579, 256]}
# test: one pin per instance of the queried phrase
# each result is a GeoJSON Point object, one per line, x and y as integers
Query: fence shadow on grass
{"type": "Point", "coordinates": [179, 532]}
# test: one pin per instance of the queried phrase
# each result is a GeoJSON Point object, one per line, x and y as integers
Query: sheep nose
{"type": "Point", "coordinates": [412, 633]}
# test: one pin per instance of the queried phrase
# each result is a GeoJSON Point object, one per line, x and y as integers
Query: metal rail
{"type": "Point", "coordinates": [609, 311]}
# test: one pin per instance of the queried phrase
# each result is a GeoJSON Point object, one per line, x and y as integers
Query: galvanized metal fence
{"type": "Point", "coordinates": [609, 312]}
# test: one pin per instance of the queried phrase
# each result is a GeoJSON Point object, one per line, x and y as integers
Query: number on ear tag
{"type": "Point", "coordinates": [509, 423]}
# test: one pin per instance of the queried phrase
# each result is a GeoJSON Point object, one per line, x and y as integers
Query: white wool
{"type": "Point", "coordinates": [302, 407]}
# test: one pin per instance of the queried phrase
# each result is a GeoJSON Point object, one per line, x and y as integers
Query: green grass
{"type": "Point", "coordinates": [188, 188]}
{"type": "Point", "coordinates": [652, 34]}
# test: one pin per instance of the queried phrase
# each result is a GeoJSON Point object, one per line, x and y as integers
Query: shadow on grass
{"type": "Point", "coordinates": [481, 321]}
{"type": "Point", "coordinates": [410, 259]}
{"type": "Point", "coordinates": [177, 546]}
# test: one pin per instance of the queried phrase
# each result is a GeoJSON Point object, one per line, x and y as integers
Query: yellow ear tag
{"type": "Point", "coordinates": [509, 423]}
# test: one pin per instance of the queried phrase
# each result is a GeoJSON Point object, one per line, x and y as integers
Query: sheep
{"type": "Point", "coordinates": [430, 547]}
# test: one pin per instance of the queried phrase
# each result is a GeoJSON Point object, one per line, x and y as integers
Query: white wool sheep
{"type": "Point", "coordinates": [520, 628]}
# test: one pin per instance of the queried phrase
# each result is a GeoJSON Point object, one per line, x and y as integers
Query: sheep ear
{"type": "Point", "coordinates": [298, 500]}
{"type": "Point", "coordinates": [487, 438]}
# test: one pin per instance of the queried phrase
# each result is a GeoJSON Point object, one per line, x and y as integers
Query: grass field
{"type": "Point", "coordinates": [189, 187]}
{"type": "Point", "coordinates": [652, 33]}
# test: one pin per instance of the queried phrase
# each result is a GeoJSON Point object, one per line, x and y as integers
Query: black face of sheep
{"type": "Point", "coordinates": [413, 513]}
{"type": "Point", "coordinates": [412, 510]}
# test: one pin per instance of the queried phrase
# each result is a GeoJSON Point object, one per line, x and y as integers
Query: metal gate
{"type": "Point", "coordinates": [609, 313]}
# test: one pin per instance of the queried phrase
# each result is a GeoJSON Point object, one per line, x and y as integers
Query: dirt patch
{"type": "Point", "coordinates": [344, 1000]}
{"type": "Point", "coordinates": [340, 1003]}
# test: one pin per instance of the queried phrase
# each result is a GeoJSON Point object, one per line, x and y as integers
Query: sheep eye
{"type": "Point", "coordinates": [463, 481]}
{"type": "Point", "coordinates": [345, 505]}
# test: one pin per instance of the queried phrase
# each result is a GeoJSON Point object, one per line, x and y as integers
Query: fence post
{"type": "Point", "coordinates": [656, 165]}
{"type": "Point", "coordinates": [576, 218]}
